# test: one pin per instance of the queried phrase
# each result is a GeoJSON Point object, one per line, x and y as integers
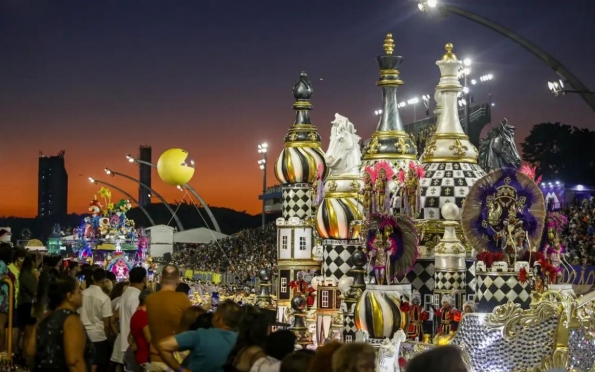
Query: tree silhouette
{"type": "Point", "coordinates": [561, 152]}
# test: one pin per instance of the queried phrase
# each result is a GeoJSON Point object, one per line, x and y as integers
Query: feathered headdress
{"type": "Point", "coordinates": [418, 169]}
{"type": "Point", "coordinates": [387, 169]}
{"type": "Point", "coordinates": [530, 172]}
{"type": "Point", "coordinates": [372, 173]}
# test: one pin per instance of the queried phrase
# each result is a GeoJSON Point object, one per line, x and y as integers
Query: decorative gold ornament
{"type": "Point", "coordinates": [430, 147]}
{"type": "Point", "coordinates": [402, 146]}
{"type": "Point", "coordinates": [449, 55]}
{"type": "Point", "coordinates": [515, 320]}
{"type": "Point", "coordinates": [389, 44]}
{"type": "Point", "coordinates": [458, 149]}
{"type": "Point", "coordinates": [372, 147]}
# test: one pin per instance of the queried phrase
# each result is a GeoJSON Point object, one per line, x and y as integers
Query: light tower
{"type": "Point", "coordinates": [450, 161]}
{"type": "Point", "coordinates": [297, 169]}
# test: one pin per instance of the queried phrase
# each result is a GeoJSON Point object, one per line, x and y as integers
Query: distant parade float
{"type": "Point", "coordinates": [421, 253]}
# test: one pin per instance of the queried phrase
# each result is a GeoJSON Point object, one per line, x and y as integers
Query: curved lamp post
{"type": "Point", "coordinates": [132, 159]}
{"type": "Point", "coordinates": [112, 173]}
{"type": "Point", "coordinates": [433, 7]}
{"type": "Point", "coordinates": [98, 182]}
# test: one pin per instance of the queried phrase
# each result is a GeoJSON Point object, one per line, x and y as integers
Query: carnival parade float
{"type": "Point", "coordinates": [109, 238]}
{"type": "Point", "coordinates": [408, 250]}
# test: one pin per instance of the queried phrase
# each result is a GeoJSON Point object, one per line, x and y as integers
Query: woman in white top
{"type": "Point", "coordinates": [278, 345]}
{"type": "Point", "coordinates": [116, 295]}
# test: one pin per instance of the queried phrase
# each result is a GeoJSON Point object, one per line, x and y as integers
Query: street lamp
{"type": "Point", "coordinates": [414, 101]}
{"type": "Point", "coordinates": [426, 100]}
{"type": "Point", "coordinates": [112, 173]}
{"type": "Point", "coordinates": [377, 112]}
{"type": "Point", "coordinates": [557, 88]}
{"type": "Point", "coordinates": [130, 197]}
{"type": "Point", "coordinates": [262, 164]}
{"type": "Point", "coordinates": [191, 189]}
{"type": "Point", "coordinates": [401, 104]}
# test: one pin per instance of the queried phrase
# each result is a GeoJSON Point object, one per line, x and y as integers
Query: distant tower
{"type": "Point", "coordinates": [296, 169]}
{"type": "Point", "coordinates": [144, 175]}
{"type": "Point", "coordinates": [52, 186]}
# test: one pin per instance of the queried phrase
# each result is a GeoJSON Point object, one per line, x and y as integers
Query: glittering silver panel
{"type": "Point", "coordinates": [489, 351]}
{"type": "Point", "coordinates": [470, 279]}
{"type": "Point", "coordinates": [297, 201]}
{"type": "Point", "coordinates": [581, 350]}
{"type": "Point", "coordinates": [447, 281]}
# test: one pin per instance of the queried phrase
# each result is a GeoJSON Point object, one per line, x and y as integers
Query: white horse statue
{"type": "Point", "coordinates": [343, 156]}
{"type": "Point", "coordinates": [388, 353]}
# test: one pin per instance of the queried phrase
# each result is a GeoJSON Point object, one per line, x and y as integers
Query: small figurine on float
{"type": "Point", "coordinates": [92, 221]}
{"type": "Point", "coordinates": [552, 248]}
{"type": "Point", "coordinates": [143, 247]}
{"type": "Point", "coordinates": [417, 315]}
{"type": "Point", "coordinates": [368, 190]}
{"type": "Point", "coordinates": [449, 320]}
{"type": "Point", "coordinates": [408, 181]}
{"type": "Point", "coordinates": [122, 207]}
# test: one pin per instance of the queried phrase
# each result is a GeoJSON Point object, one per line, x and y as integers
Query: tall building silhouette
{"type": "Point", "coordinates": [52, 186]}
{"type": "Point", "coordinates": [144, 155]}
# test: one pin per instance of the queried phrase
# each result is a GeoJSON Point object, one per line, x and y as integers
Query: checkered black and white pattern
{"type": "Point", "coordinates": [297, 200]}
{"type": "Point", "coordinates": [446, 182]}
{"type": "Point", "coordinates": [470, 277]}
{"type": "Point", "coordinates": [421, 277]}
{"type": "Point", "coordinates": [447, 281]}
{"type": "Point", "coordinates": [494, 290]}
{"type": "Point", "coordinates": [349, 328]}
{"type": "Point", "coordinates": [336, 261]}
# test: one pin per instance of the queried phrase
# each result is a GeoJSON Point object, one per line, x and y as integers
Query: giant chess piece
{"type": "Point", "coordinates": [264, 299]}
{"type": "Point", "coordinates": [298, 305]}
{"type": "Point", "coordinates": [450, 268]}
{"type": "Point", "coordinates": [350, 297]}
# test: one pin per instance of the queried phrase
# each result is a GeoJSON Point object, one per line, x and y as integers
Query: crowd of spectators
{"type": "Point", "coordinates": [579, 235]}
{"type": "Point", "coordinates": [244, 254]}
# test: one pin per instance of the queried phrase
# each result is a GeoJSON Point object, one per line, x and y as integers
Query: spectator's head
{"type": "Point", "coordinates": [107, 286]}
{"type": "Point", "coordinates": [444, 358]}
{"type": "Point", "coordinates": [227, 316]}
{"type": "Point", "coordinates": [64, 292]}
{"type": "Point", "coordinates": [138, 276]}
{"type": "Point", "coordinates": [204, 321]}
{"type": "Point", "coordinates": [6, 253]}
{"type": "Point", "coordinates": [189, 316]}
{"type": "Point", "coordinates": [253, 329]}
{"type": "Point", "coordinates": [298, 361]}
{"type": "Point", "coordinates": [355, 357]}
{"type": "Point", "coordinates": [99, 275]}
{"type": "Point", "coordinates": [183, 288]}
{"type": "Point", "coordinates": [111, 276]}
{"type": "Point", "coordinates": [142, 297]}
{"type": "Point", "coordinates": [170, 276]}
{"type": "Point", "coordinates": [280, 344]}
{"type": "Point", "coordinates": [18, 257]}
{"type": "Point", "coordinates": [119, 289]}
{"type": "Point", "coordinates": [323, 361]}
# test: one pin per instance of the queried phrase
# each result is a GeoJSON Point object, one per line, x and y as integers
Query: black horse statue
{"type": "Point", "coordinates": [498, 149]}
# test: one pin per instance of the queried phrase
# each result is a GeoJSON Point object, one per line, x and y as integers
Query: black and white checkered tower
{"type": "Point", "coordinates": [297, 168]}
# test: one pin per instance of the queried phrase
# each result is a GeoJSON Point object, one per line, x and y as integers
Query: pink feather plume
{"type": "Point", "coordinates": [401, 176]}
{"type": "Point", "coordinates": [387, 169]}
{"type": "Point", "coordinates": [372, 173]}
{"type": "Point", "coordinates": [320, 171]}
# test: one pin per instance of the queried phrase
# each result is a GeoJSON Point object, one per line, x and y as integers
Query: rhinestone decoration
{"type": "Point", "coordinates": [581, 350]}
{"type": "Point", "coordinates": [489, 351]}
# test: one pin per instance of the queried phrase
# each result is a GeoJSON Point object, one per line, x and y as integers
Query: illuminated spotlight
{"type": "Point", "coordinates": [473, 81]}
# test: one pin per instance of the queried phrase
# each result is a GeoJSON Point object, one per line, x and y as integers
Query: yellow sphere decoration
{"type": "Point", "coordinates": [173, 169]}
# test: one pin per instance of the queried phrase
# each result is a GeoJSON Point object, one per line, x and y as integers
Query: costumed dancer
{"type": "Point", "coordinates": [143, 246]}
{"type": "Point", "coordinates": [384, 173]}
{"type": "Point", "coordinates": [368, 190]}
{"type": "Point", "coordinates": [380, 251]}
{"type": "Point", "coordinates": [449, 320]}
{"type": "Point", "coordinates": [318, 186]}
{"type": "Point", "coordinates": [408, 181]}
{"type": "Point", "coordinates": [416, 315]}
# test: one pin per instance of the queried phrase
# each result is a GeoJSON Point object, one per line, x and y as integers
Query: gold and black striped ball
{"type": "Point", "coordinates": [379, 313]}
{"type": "Point", "coordinates": [334, 217]}
{"type": "Point", "coordinates": [299, 165]}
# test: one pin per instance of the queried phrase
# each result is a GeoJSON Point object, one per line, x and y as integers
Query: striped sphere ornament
{"type": "Point", "coordinates": [379, 313]}
{"type": "Point", "coordinates": [299, 165]}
